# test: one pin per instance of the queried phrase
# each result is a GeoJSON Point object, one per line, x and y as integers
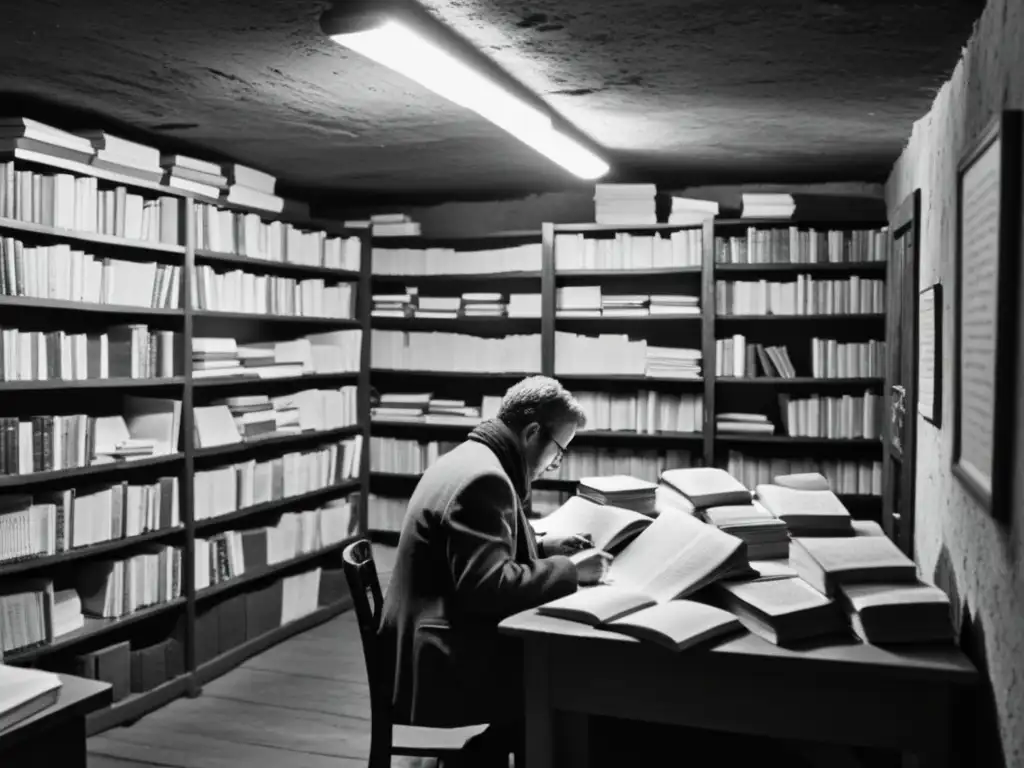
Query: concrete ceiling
{"type": "Point", "coordinates": [676, 91]}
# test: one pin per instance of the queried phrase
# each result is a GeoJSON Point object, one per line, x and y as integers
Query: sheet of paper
{"type": "Point", "coordinates": [979, 279]}
{"type": "Point", "coordinates": [926, 355]}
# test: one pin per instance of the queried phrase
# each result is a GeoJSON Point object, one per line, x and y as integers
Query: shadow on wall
{"type": "Point", "coordinates": [977, 740]}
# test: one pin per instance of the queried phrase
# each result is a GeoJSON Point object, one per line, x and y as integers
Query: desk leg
{"type": "Point", "coordinates": [938, 758]}
{"type": "Point", "coordinates": [68, 747]}
{"type": "Point", "coordinates": [571, 737]}
{"type": "Point", "coordinates": [539, 720]}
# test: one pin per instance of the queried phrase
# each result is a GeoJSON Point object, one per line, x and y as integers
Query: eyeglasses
{"type": "Point", "coordinates": [557, 461]}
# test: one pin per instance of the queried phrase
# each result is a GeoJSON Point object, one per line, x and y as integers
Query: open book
{"type": "Point", "coordinates": [675, 556]}
{"type": "Point", "coordinates": [707, 486]}
{"type": "Point", "coordinates": [610, 527]}
{"type": "Point", "coordinates": [807, 512]}
{"type": "Point", "coordinates": [677, 624]}
{"type": "Point", "coordinates": [25, 692]}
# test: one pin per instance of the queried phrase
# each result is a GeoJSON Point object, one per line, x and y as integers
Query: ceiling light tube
{"type": "Point", "coordinates": [392, 42]}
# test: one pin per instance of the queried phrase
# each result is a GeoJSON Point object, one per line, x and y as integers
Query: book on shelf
{"type": "Point", "coordinates": [190, 174]}
{"type": "Point", "coordinates": [806, 295]}
{"type": "Point", "coordinates": [802, 245]}
{"type": "Point", "coordinates": [629, 251]}
{"type": "Point", "coordinates": [623, 491]}
{"type": "Point", "coordinates": [706, 486]}
{"type": "Point", "coordinates": [843, 417]}
{"type": "Point", "coordinates": [24, 693]}
{"type": "Point", "coordinates": [766, 205]}
{"type": "Point", "coordinates": [414, 262]}
{"type": "Point", "coordinates": [236, 290]}
{"type": "Point", "coordinates": [250, 188]}
{"type": "Point", "coordinates": [744, 424]}
{"type": "Point", "coordinates": [609, 527]}
{"type": "Point", "coordinates": [674, 557]}
{"type": "Point", "coordinates": [735, 358]}
{"type": "Point", "coordinates": [898, 613]}
{"type": "Point", "coordinates": [394, 225]}
{"type": "Point", "coordinates": [113, 153]}
{"type": "Point", "coordinates": [688, 211]}
{"type": "Point", "coordinates": [618, 354]}
{"type": "Point", "coordinates": [814, 512]}
{"type": "Point", "coordinates": [783, 611]}
{"type": "Point", "coordinates": [643, 411]}
{"type": "Point", "coordinates": [844, 476]}
{"type": "Point", "coordinates": [624, 204]}
{"type": "Point", "coordinates": [456, 352]}
{"type": "Point", "coordinates": [830, 563]}
{"type": "Point", "coordinates": [112, 589]}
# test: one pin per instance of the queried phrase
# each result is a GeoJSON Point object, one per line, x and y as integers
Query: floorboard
{"type": "Point", "coordinates": [302, 704]}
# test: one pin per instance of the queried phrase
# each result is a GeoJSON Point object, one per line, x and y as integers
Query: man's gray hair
{"type": "Point", "coordinates": [540, 399]}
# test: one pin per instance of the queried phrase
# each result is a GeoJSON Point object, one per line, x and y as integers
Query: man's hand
{"type": "Point", "coordinates": [591, 566]}
{"type": "Point", "coordinates": [567, 545]}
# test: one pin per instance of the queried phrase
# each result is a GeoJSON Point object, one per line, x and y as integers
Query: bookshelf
{"type": "Point", "coordinates": [829, 299]}
{"type": "Point", "coordinates": [70, 349]}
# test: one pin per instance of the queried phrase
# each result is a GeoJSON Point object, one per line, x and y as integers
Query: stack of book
{"type": "Point", "coordinates": [767, 536]}
{"type": "Point", "coordinates": [423, 407]}
{"type": "Point", "coordinates": [674, 304]}
{"type": "Point", "coordinates": [250, 188]}
{"type": "Point", "coordinates": [578, 301]}
{"type": "Point", "coordinates": [705, 487]}
{"type": "Point", "coordinates": [393, 225]}
{"type": "Point", "coordinates": [27, 134]}
{"type": "Point", "coordinates": [192, 175]}
{"type": "Point", "coordinates": [806, 504]}
{"type": "Point", "coordinates": [524, 305]}
{"type": "Point", "coordinates": [394, 304]}
{"type": "Point", "coordinates": [768, 206]}
{"type": "Point", "coordinates": [619, 491]}
{"type": "Point", "coordinates": [483, 304]}
{"type": "Point", "coordinates": [744, 424]}
{"type": "Point", "coordinates": [784, 611]}
{"type": "Point", "coordinates": [688, 211]}
{"type": "Point", "coordinates": [254, 415]}
{"type": "Point", "coordinates": [625, 204]}
{"type": "Point", "coordinates": [214, 357]}
{"type": "Point", "coordinates": [673, 363]}
{"type": "Point", "coordinates": [434, 307]}
{"type": "Point", "coordinates": [123, 156]}
{"type": "Point", "coordinates": [629, 305]}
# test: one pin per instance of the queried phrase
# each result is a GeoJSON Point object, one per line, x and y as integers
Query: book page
{"type": "Point", "coordinates": [578, 515]}
{"type": "Point", "coordinates": [679, 622]}
{"type": "Point", "coordinates": [979, 281]}
{"type": "Point", "coordinates": [596, 605]}
{"type": "Point", "coordinates": [777, 597]}
{"type": "Point", "coordinates": [784, 502]}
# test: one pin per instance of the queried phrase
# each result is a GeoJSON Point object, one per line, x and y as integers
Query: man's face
{"type": "Point", "coordinates": [546, 446]}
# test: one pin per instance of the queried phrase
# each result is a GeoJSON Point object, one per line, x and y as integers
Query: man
{"type": "Point", "coordinates": [467, 558]}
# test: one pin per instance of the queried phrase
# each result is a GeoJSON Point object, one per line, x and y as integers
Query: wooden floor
{"type": "Point", "coordinates": [302, 704]}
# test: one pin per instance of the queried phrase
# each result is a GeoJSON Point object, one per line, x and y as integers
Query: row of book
{"type": "Point", "coordinates": [841, 417]}
{"type": "Point", "coordinates": [242, 418]}
{"type": "Point", "coordinates": [232, 554]}
{"type": "Point", "coordinates": [785, 562]}
{"type": "Point", "coordinates": [646, 412]}
{"type": "Point", "coordinates": [626, 251]}
{"type": "Point", "coordinates": [331, 352]}
{"type": "Point", "coordinates": [859, 478]}
{"type": "Point", "coordinates": [589, 301]}
{"type": "Point", "coordinates": [829, 359]}
{"type": "Point", "coordinates": [425, 351]}
{"type": "Point", "coordinates": [45, 524]}
{"type": "Point", "coordinates": [471, 304]}
{"type": "Point", "coordinates": [405, 457]}
{"type": "Point", "coordinates": [618, 354]}
{"type": "Point", "coordinates": [122, 351]}
{"type": "Point", "coordinates": [424, 408]}
{"type": "Point", "coordinates": [63, 201]}
{"type": "Point", "coordinates": [444, 261]}
{"type": "Point", "coordinates": [62, 273]}
{"type": "Point", "coordinates": [226, 489]}
{"type": "Point", "coordinates": [804, 296]}
{"type": "Point", "coordinates": [247, 234]}
{"type": "Point", "coordinates": [799, 245]}
{"type": "Point", "coordinates": [240, 291]}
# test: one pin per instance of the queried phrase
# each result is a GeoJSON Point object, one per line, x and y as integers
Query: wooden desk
{"type": "Point", "coordinates": [57, 734]}
{"type": "Point", "coordinates": [851, 694]}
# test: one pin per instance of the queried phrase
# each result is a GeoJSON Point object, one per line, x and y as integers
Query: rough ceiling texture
{"type": "Point", "coordinates": [675, 91]}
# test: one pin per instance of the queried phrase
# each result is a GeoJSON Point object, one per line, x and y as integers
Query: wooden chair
{"type": "Point", "coordinates": [387, 738]}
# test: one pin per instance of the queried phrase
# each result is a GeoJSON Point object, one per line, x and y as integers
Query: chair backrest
{"type": "Point", "coordinates": [368, 600]}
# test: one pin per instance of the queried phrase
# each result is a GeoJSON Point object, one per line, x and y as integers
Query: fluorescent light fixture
{"type": "Point", "coordinates": [399, 47]}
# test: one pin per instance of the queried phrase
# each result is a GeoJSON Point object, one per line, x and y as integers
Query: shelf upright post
{"type": "Point", "coordinates": [708, 310]}
{"type": "Point", "coordinates": [364, 304]}
{"type": "Point", "coordinates": [547, 300]}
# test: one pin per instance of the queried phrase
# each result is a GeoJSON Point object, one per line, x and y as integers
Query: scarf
{"type": "Point", "coordinates": [502, 441]}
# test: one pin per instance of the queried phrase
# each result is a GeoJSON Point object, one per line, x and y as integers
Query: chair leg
{"type": "Point", "coordinates": [380, 747]}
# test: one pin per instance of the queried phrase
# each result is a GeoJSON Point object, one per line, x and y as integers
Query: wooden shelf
{"type": "Point", "coordinates": [22, 302]}
{"type": "Point", "coordinates": [587, 228]}
{"type": "Point", "coordinates": [136, 705]}
{"type": "Point", "coordinates": [457, 277]}
{"type": "Point", "coordinates": [821, 224]}
{"type": "Point", "coordinates": [239, 261]}
{"type": "Point", "coordinates": [800, 381]}
{"type": "Point", "coordinates": [323, 435]}
{"type": "Point", "coordinates": [450, 374]}
{"type": "Point", "coordinates": [457, 324]}
{"type": "Point", "coordinates": [83, 169]}
{"type": "Point", "coordinates": [849, 267]}
{"type": "Point", "coordinates": [465, 243]}
{"type": "Point", "coordinates": [253, 317]}
{"type": "Point", "coordinates": [93, 628]}
{"type": "Point", "coordinates": [338, 489]}
{"type": "Point", "coordinates": [666, 439]}
{"type": "Point", "coordinates": [866, 317]}
{"type": "Point", "coordinates": [232, 658]}
{"type": "Point", "coordinates": [58, 384]}
{"type": "Point", "coordinates": [269, 570]}
{"type": "Point", "coordinates": [92, 550]}
{"type": "Point", "coordinates": [823, 442]}
{"type": "Point", "coordinates": [89, 238]}
{"type": "Point", "coordinates": [638, 378]}
{"type": "Point", "coordinates": [220, 382]}
{"type": "Point", "coordinates": [606, 274]}
{"type": "Point", "coordinates": [640, 319]}
{"type": "Point", "coordinates": [72, 475]}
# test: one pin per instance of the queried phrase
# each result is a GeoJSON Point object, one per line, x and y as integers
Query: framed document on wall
{"type": "Point", "coordinates": [988, 244]}
{"type": "Point", "coordinates": [929, 354]}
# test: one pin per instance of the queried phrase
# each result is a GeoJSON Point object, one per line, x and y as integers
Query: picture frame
{"type": "Point", "coordinates": [988, 247]}
{"type": "Point", "coordinates": [929, 354]}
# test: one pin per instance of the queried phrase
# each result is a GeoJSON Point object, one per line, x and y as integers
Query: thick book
{"type": "Point", "coordinates": [806, 513]}
{"type": "Point", "coordinates": [623, 491]}
{"type": "Point", "coordinates": [828, 563]}
{"type": "Point", "coordinates": [674, 557]}
{"type": "Point", "coordinates": [25, 692]}
{"type": "Point", "coordinates": [609, 527]}
{"type": "Point", "coordinates": [707, 486]}
{"type": "Point", "coordinates": [898, 613]}
{"type": "Point", "coordinates": [767, 536]}
{"type": "Point", "coordinates": [803, 481]}
{"type": "Point", "coordinates": [783, 611]}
